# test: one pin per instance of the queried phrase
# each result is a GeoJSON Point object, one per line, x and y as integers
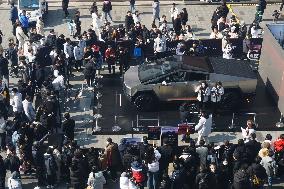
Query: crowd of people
{"type": "Point", "coordinates": [45, 64]}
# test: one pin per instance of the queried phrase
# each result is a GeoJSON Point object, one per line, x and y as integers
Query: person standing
{"type": "Point", "coordinates": [107, 7]}
{"type": "Point", "coordinates": [153, 168]}
{"type": "Point", "coordinates": [16, 101]}
{"type": "Point", "coordinates": [24, 20]}
{"type": "Point", "coordinates": [4, 70]}
{"type": "Point", "coordinates": [13, 15]}
{"type": "Point", "coordinates": [50, 167]}
{"type": "Point", "coordinates": [132, 6]}
{"type": "Point", "coordinates": [204, 127]}
{"type": "Point", "coordinates": [177, 25]}
{"type": "Point", "coordinates": [78, 55]}
{"type": "Point", "coordinates": [203, 93]}
{"type": "Point", "coordinates": [28, 109]}
{"type": "Point", "coordinates": [65, 4]}
{"type": "Point", "coordinates": [113, 158]}
{"type": "Point", "coordinates": [156, 10]}
{"type": "Point", "coordinates": [77, 23]}
{"type": "Point", "coordinates": [184, 18]}
{"type": "Point", "coordinates": [129, 21]}
{"type": "Point", "coordinates": [15, 181]}
{"type": "Point", "coordinates": [68, 126]}
{"type": "Point", "coordinates": [160, 46]}
{"type": "Point", "coordinates": [68, 51]}
{"type": "Point", "coordinates": [174, 12]}
{"type": "Point", "coordinates": [97, 23]}
{"type": "Point", "coordinates": [216, 95]}
{"type": "Point", "coordinates": [2, 136]}
{"type": "Point", "coordinates": [110, 59]}
{"type": "Point", "coordinates": [90, 72]}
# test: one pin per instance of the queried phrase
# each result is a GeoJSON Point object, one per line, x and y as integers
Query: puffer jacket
{"type": "Point", "coordinates": [124, 183]}
{"type": "Point", "coordinates": [96, 180]}
{"type": "Point", "coordinates": [269, 165]}
{"type": "Point", "coordinates": [279, 145]}
{"type": "Point", "coordinates": [154, 166]}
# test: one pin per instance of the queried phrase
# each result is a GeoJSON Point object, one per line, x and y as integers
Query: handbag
{"type": "Point", "coordinates": [89, 187]}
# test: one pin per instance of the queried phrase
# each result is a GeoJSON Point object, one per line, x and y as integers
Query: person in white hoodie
{"type": "Point", "coordinates": [124, 181]}
{"type": "Point", "coordinates": [28, 108]}
{"type": "Point", "coordinates": [204, 127]}
{"type": "Point", "coordinates": [159, 46]}
{"type": "Point", "coordinates": [16, 101]}
{"type": "Point", "coordinates": [174, 12]}
{"type": "Point", "coordinates": [153, 168]}
{"type": "Point", "coordinates": [96, 179]}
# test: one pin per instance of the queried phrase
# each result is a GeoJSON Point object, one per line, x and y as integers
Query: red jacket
{"type": "Point", "coordinates": [279, 145]}
{"type": "Point", "coordinates": [110, 56]}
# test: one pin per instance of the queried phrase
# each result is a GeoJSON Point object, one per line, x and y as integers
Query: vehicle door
{"type": "Point", "coordinates": [193, 79]}
{"type": "Point", "coordinates": [171, 87]}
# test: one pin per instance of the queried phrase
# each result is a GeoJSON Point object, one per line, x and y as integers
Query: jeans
{"type": "Point", "coordinates": [153, 180]}
{"type": "Point", "coordinates": [107, 14]}
{"type": "Point", "coordinates": [132, 8]}
{"type": "Point", "coordinates": [269, 182]}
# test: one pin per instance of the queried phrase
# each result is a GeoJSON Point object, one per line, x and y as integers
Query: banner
{"type": "Point", "coordinates": [186, 128]}
{"type": "Point", "coordinates": [154, 133]}
{"type": "Point", "coordinates": [171, 133]}
{"type": "Point", "coordinates": [133, 141]}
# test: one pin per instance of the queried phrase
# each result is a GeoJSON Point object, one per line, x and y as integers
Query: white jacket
{"type": "Point", "coordinates": [136, 18]}
{"type": "Point", "coordinates": [29, 110]}
{"type": "Point", "coordinates": [154, 166]}
{"type": "Point", "coordinates": [174, 12]}
{"type": "Point", "coordinates": [216, 94]}
{"type": "Point", "coordinates": [68, 50]}
{"type": "Point", "coordinates": [124, 183]}
{"type": "Point", "coordinates": [160, 44]}
{"type": "Point", "coordinates": [16, 102]}
{"type": "Point", "coordinates": [14, 183]}
{"type": "Point", "coordinates": [78, 53]}
{"type": "Point", "coordinates": [96, 180]}
{"type": "Point", "coordinates": [204, 126]}
{"type": "Point", "coordinates": [58, 83]}
{"type": "Point", "coordinates": [199, 94]}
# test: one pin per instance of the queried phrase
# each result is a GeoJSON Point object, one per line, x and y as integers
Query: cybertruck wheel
{"type": "Point", "coordinates": [145, 102]}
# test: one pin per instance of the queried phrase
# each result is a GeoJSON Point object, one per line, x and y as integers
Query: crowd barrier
{"type": "Point", "coordinates": [212, 47]}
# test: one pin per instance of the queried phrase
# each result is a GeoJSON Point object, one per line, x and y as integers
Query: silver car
{"type": "Point", "coordinates": [176, 78]}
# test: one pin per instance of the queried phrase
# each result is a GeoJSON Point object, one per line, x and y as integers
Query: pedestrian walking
{"type": "Point", "coordinates": [65, 4]}
{"type": "Point", "coordinates": [156, 10]}
{"type": "Point", "coordinates": [107, 7]}
{"type": "Point", "coordinates": [204, 127]}
{"type": "Point", "coordinates": [132, 6]}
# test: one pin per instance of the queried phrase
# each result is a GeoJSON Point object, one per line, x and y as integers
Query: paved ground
{"type": "Point", "coordinates": [199, 19]}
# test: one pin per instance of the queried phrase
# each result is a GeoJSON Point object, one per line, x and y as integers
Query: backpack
{"type": "Point", "coordinates": [107, 7]}
{"type": "Point", "coordinates": [50, 165]}
{"type": "Point", "coordinates": [204, 182]}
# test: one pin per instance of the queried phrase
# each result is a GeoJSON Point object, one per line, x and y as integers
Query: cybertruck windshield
{"type": "Point", "coordinates": [147, 72]}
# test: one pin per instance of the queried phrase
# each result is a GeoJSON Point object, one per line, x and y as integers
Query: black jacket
{"type": "Point", "coordinates": [258, 170]}
{"type": "Point", "coordinates": [128, 22]}
{"type": "Point", "coordinates": [253, 148]}
{"type": "Point", "coordinates": [2, 169]}
{"type": "Point", "coordinates": [42, 57]}
{"type": "Point", "coordinates": [241, 180]}
{"type": "Point", "coordinates": [90, 69]}
{"type": "Point", "coordinates": [4, 66]}
{"type": "Point", "coordinates": [68, 128]}
{"type": "Point", "coordinates": [167, 155]}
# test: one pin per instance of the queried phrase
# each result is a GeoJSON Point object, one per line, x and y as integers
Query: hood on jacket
{"type": "Point", "coordinates": [137, 166]}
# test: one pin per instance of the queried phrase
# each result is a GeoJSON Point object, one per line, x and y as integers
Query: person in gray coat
{"type": "Point", "coordinates": [269, 165]}
{"type": "Point", "coordinates": [156, 10]}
